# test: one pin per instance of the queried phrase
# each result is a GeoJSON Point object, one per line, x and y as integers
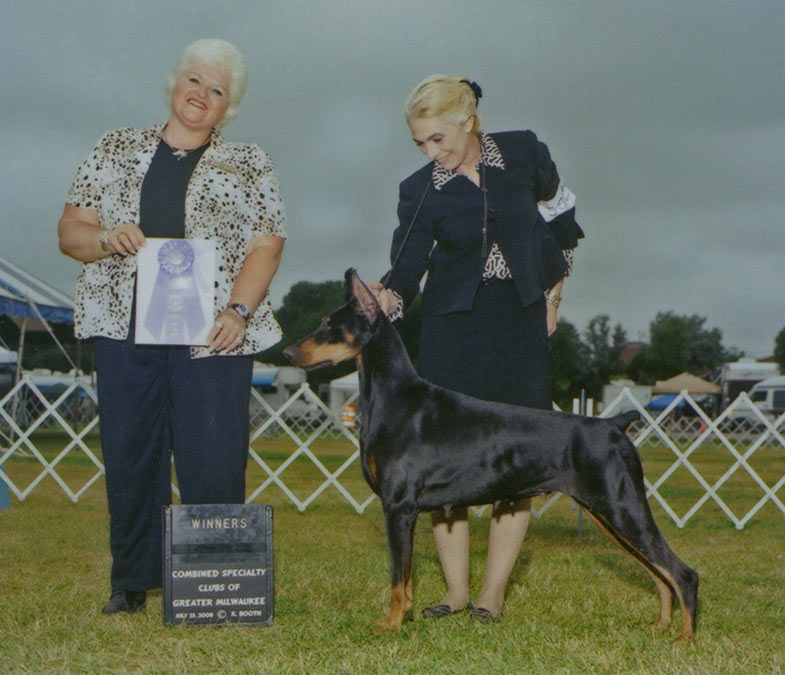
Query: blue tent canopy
{"type": "Point", "coordinates": [33, 305]}
{"type": "Point", "coordinates": [662, 402]}
{"type": "Point", "coordinates": [24, 296]}
{"type": "Point", "coordinates": [264, 377]}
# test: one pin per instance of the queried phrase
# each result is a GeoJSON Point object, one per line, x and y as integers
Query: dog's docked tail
{"type": "Point", "coordinates": [624, 420]}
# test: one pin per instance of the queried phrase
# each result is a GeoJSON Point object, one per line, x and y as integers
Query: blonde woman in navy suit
{"type": "Point", "coordinates": [495, 233]}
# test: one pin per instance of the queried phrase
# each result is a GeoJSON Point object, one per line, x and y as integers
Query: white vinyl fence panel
{"type": "Point", "coordinates": [682, 429]}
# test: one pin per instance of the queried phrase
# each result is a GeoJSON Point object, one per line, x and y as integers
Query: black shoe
{"type": "Point", "coordinates": [125, 601]}
{"type": "Point", "coordinates": [482, 615]}
{"type": "Point", "coordinates": [440, 611]}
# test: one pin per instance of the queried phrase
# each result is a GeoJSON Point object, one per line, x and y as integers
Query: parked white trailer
{"type": "Point", "coordinates": [742, 375]}
{"type": "Point", "coordinates": [768, 396]}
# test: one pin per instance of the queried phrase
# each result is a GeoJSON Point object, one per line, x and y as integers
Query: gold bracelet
{"type": "Point", "coordinates": [552, 298]}
{"type": "Point", "coordinates": [104, 240]}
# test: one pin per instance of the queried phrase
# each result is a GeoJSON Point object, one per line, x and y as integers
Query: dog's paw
{"type": "Point", "coordinates": [684, 639]}
{"type": "Point", "coordinates": [658, 625]}
{"type": "Point", "coordinates": [393, 622]}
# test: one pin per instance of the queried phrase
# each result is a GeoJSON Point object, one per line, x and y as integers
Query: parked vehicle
{"type": "Point", "coordinates": [768, 396]}
{"type": "Point", "coordinates": [742, 375]}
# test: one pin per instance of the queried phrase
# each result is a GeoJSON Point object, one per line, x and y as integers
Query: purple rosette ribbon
{"type": "Point", "coordinates": [175, 306]}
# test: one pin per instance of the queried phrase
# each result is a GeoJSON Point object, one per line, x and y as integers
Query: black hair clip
{"type": "Point", "coordinates": [475, 89]}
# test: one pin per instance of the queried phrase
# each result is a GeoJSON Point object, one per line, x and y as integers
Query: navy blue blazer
{"type": "Point", "coordinates": [446, 240]}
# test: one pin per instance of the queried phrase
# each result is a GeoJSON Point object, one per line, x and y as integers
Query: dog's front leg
{"type": "Point", "coordinates": [400, 538]}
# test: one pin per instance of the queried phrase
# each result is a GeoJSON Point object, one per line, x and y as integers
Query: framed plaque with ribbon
{"type": "Point", "coordinates": [175, 282]}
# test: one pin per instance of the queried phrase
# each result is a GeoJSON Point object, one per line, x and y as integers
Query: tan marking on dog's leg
{"type": "Point", "coordinates": [370, 462]}
{"type": "Point", "coordinates": [398, 607]}
{"type": "Point", "coordinates": [666, 604]}
{"type": "Point", "coordinates": [408, 615]}
{"type": "Point", "coordinates": [687, 627]}
{"type": "Point", "coordinates": [666, 596]}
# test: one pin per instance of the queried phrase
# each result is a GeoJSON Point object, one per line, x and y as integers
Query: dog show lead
{"type": "Point", "coordinates": [491, 224]}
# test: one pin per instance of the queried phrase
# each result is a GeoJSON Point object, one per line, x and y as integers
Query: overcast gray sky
{"type": "Point", "coordinates": [666, 118]}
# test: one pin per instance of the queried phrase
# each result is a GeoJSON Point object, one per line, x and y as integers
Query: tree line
{"type": "Point", "coordinates": [580, 360]}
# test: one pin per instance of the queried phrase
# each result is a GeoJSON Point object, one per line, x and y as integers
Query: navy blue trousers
{"type": "Point", "coordinates": [155, 403]}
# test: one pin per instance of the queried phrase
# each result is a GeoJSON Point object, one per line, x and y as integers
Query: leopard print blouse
{"type": "Point", "coordinates": [233, 195]}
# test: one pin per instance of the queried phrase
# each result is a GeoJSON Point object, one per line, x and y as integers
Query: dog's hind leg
{"type": "Point", "coordinates": [670, 575]}
{"type": "Point", "coordinates": [633, 529]}
{"type": "Point", "coordinates": [664, 590]}
{"type": "Point", "coordinates": [400, 538]}
{"type": "Point", "coordinates": [609, 484]}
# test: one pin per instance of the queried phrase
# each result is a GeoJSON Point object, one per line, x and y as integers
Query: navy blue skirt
{"type": "Point", "coordinates": [498, 351]}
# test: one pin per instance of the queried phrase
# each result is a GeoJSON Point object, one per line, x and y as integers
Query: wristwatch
{"type": "Point", "coordinates": [241, 309]}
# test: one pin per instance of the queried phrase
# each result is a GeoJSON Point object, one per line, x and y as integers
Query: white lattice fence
{"type": "Point", "coordinates": [304, 419]}
{"type": "Point", "coordinates": [690, 459]}
{"type": "Point", "coordinates": [723, 458]}
{"type": "Point", "coordinates": [25, 410]}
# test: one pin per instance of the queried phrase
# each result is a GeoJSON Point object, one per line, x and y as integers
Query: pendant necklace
{"type": "Point", "coordinates": [179, 153]}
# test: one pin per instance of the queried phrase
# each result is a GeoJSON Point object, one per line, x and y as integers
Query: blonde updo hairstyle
{"type": "Point", "coordinates": [451, 98]}
{"type": "Point", "coordinates": [218, 54]}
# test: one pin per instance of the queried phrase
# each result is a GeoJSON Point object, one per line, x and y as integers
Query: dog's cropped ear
{"type": "Point", "coordinates": [358, 291]}
{"type": "Point", "coordinates": [348, 278]}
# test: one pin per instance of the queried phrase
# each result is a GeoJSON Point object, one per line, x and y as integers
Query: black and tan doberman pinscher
{"type": "Point", "coordinates": [426, 448]}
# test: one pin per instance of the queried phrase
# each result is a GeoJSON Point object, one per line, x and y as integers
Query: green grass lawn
{"type": "Point", "coordinates": [574, 604]}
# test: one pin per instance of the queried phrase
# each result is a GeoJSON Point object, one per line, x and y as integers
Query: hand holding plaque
{"type": "Point", "coordinates": [174, 291]}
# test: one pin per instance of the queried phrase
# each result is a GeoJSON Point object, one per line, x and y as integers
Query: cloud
{"type": "Point", "coordinates": [665, 118]}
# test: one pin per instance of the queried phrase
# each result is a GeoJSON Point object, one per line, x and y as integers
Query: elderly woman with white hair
{"type": "Point", "coordinates": [490, 222]}
{"type": "Point", "coordinates": [177, 180]}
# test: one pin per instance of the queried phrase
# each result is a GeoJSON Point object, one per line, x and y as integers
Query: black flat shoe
{"type": "Point", "coordinates": [482, 615]}
{"type": "Point", "coordinates": [440, 611]}
{"type": "Point", "coordinates": [125, 601]}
